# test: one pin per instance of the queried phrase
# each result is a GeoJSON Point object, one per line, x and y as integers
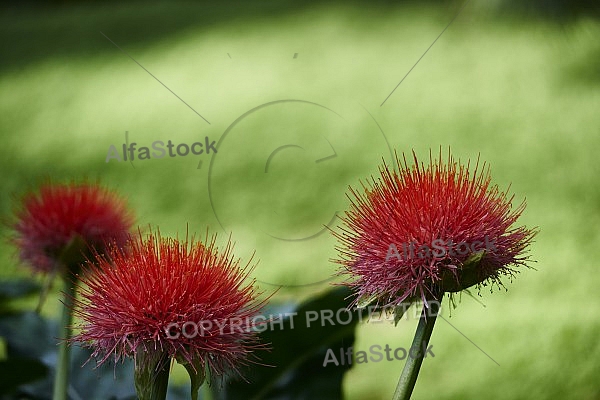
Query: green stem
{"type": "Point", "coordinates": [61, 380]}
{"type": "Point", "coordinates": [151, 375]}
{"type": "Point", "coordinates": [408, 379]}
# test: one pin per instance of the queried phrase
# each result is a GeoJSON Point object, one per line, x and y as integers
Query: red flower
{"type": "Point", "coordinates": [49, 221]}
{"type": "Point", "coordinates": [424, 230]}
{"type": "Point", "coordinates": [183, 300]}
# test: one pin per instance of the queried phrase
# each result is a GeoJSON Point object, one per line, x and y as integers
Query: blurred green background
{"type": "Point", "coordinates": [521, 90]}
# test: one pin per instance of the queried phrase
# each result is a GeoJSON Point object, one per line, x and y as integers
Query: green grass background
{"type": "Point", "coordinates": [523, 94]}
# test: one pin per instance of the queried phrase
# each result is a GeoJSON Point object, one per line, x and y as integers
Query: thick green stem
{"type": "Point", "coordinates": [408, 379]}
{"type": "Point", "coordinates": [151, 375]}
{"type": "Point", "coordinates": [61, 379]}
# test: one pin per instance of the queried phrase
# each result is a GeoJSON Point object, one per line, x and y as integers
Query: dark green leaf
{"type": "Point", "coordinates": [294, 367]}
{"type": "Point", "coordinates": [20, 371]}
{"type": "Point", "coordinates": [27, 335]}
{"type": "Point", "coordinates": [10, 290]}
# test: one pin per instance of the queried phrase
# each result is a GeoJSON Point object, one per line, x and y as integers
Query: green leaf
{"type": "Point", "coordinates": [294, 367]}
{"type": "Point", "coordinates": [468, 273]}
{"type": "Point", "coordinates": [10, 290]}
{"type": "Point", "coordinates": [401, 309]}
{"type": "Point", "coordinates": [29, 336]}
{"type": "Point", "coordinates": [21, 371]}
{"type": "Point", "coordinates": [13, 290]}
{"type": "Point", "coordinates": [365, 301]}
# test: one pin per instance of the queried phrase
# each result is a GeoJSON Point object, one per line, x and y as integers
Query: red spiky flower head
{"type": "Point", "coordinates": [50, 221]}
{"type": "Point", "coordinates": [426, 230]}
{"type": "Point", "coordinates": [162, 298]}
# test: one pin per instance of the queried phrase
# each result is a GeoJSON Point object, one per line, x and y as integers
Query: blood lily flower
{"type": "Point", "coordinates": [63, 218]}
{"type": "Point", "coordinates": [55, 230]}
{"type": "Point", "coordinates": [163, 299]}
{"type": "Point", "coordinates": [426, 230]}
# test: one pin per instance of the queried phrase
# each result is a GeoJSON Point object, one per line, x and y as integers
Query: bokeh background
{"type": "Point", "coordinates": [516, 85]}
